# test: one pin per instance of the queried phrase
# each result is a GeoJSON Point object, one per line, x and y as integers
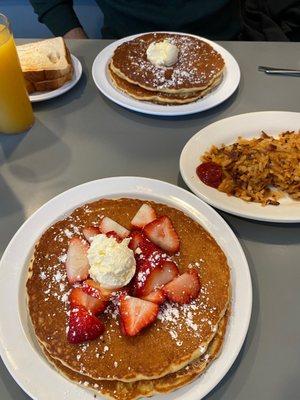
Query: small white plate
{"type": "Point", "coordinates": [18, 347]}
{"type": "Point", "coordinates": [41, 96]}
{"type": "Point", "coordinates": [226, 131]}
{"type": "Point", "coordinates": [226, 88]}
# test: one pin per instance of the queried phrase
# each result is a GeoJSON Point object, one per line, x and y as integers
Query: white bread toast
{"type": "Point", "coordinates": [45, 60]}
{"type": "Point", "coordinates": [45, 86]}
{"type": "Point", "coordinates": [29, 87]}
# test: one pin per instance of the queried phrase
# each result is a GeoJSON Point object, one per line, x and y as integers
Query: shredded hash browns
{"type": "Point", "coordinates": [260, 169]}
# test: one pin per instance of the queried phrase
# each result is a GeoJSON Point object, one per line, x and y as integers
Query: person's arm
{"type": "Point", "coordinates": [76, 33]}
{"type": "Point", "coordinates": [59, 16]}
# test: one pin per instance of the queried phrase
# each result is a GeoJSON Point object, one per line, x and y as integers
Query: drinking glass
{"type": "Point", "coordinates": [16, 114]}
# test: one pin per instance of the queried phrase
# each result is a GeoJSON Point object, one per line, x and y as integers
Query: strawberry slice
{"type": "Point", "coordinates": [114, 235]}
{"type": "Point", "coordinates": [156, 278]}
{"type": "Point", "coordinates": [157, 297]}
{"type": "Point", "coordinates": [136, 314]}
{"type": "Point", "coordinates": [77, 264]}
{"type": "Point", "coordinates": [83, 326]}
{"type": "Point", "coordinates": [144, 249]}
{"type": "Point", "coordinates": [162, 233]}
{"type": "Point", "coordinates": [142, 271]}
{"type": "Point", "coordinates": [122, 328]}
{"type": "Point", "coordinates": [144, 216]}
{"type": "Point", "coordinates": [90, 232]}
{"type": "Point", "coordinates": [80, 298]}
{"type": "Point", "coordinates": [137, 239]}
{"type": "Point", "coordinates": [93, 289]}
{"type": "Point", "coordinates": [147, 256]}
{"type": "Point", "coordinates": [184, 288]}
{"type": "Point", "coordinates": [107, 225]}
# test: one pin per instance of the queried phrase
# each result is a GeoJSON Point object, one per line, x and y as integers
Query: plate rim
{"type": "Point", "coordinates": [132, 181]}
{"type": "Point", "coordinates": [51, 94]}
{"type": "Point", "coordinates": [216, 204]}
{"type": "Point", "coordinates": [101, 60]}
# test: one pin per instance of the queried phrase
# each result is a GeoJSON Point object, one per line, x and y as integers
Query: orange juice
{"type": "Point", "coordinates": [15, 109]}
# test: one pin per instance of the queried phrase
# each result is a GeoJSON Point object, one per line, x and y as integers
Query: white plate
{"type": "Point", "coordinates": [228, 85]}
{"type": "Point", "coordinates": [18, 348]}
{"type": "Point", "coordinates": [41, 96]}
{"type": "Point", "coordinates": [227, 131]}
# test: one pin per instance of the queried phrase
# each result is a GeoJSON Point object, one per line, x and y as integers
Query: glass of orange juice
{"type": "Point", "coordinates": [16, 114]}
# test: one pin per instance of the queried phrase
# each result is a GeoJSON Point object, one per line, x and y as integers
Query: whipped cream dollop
{"type": "Point", "coordinates": [112, 264]}
{"type": "Point", "coordinates": [162, 54]}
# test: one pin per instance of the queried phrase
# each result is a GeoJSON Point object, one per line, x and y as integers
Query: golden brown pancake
{"type": "Point", "coordinates": [140, 93]}
{"type": "Point", "coordinates": [133, 390]}
{"type": "Point", "coordinates": [198, 64]}
{"type": "Point", "coordinates": [179, 335]}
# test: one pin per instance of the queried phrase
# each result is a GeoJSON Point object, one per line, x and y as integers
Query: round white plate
{"type": "Point", "coordinates": [41, 96]}
{"type": "Point", "coordinates": [228, 85]}
{"type": "Point", "coordinates": [18, 347]}
{"type": "Point", "coordinates": [226, 131]}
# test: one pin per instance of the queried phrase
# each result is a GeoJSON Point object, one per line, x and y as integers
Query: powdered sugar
{"type": "Point", "coordinates": [58, 276]}
{"type": "Point", "coordinates": [177, 318]}
{"type": "Point", "coordinates": [62, 258]}
{"type": "Point", "coordinates": [68, 233]}
{"type": "Point", "coordinates": [43, 275]}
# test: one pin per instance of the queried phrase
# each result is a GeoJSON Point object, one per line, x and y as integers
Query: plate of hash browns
{"type": "Point", "coordinates": [248, 165]}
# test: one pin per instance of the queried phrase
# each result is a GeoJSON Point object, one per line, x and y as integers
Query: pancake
{"type": "Point", "coordinates": [198, 64]}
{"type": "Point", "coordinates": [133, 390]}
{"type": "Point", "coordinates": [140, 93]}
{"type": "Point", "coordinates": [179, 335]}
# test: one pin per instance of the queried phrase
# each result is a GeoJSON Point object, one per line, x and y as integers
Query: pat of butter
{"type": "Point", "coordinates": [162, 54]}
{"type": "Point", "coordinates": [112, 264]}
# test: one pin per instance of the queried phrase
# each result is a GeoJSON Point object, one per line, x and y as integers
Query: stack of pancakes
{"type": "Point", "coordinates": [197, 71]}
{"type": "Point", "coordinates": [173, 351]}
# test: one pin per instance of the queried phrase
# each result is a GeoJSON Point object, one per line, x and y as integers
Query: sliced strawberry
{"type": "Point", "coordinates": [143, 270]}
{"type": "Point", "coordinates": [90, 232]}
{"type": "Point", "coordinates": [122, 327]}
{"type": "Point", "coordinates": [83, 326]}
{"type": "Point", "coordinates": [157, 297]}
{"type": "Point", "coordinates": [157, 278]}
{"type": "Point", "coordinates": [107, 225]}
{"type": "Point", "coordinates": [136, 314]}
{"type": "Point", "coordinates": [144, 216]}
{"type": "Point", "coordinates": [147, 256]}
{"type": "Point", "coordinates": [137, 238]}
{"type": "Point", "coordinates": [80, 298]}
{"type": "Point", "coordinates": [93, 289]}
{"type": "Point", "coordinates": [144, 249]}
{"type": "Point", "coordinates": [184, 288]}
{"type": "Point", "coordinates": [114, 235]}
{"type": "Point", "coordinates": [162, 233]}
{"type": "Point", "coordinates": [77, 264]}
{"type": "Point", "coordinates": [142, 246]}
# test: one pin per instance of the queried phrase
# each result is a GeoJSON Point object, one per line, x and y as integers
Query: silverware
{"type": "Point", "coordinates": [279, 71]}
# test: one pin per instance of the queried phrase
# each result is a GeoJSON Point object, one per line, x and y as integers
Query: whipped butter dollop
{"type": "Point", "coordinates": [112, 264]}
{"type": "Point", "coordinates": [162, 54]}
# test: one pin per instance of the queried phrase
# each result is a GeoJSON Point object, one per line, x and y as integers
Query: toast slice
{"type": "Point", "coordinates": [29, 87]}
{"type": "Point", "coordinates": [49, 85]}
{"type": "Point", "coordinates": [45, 60]}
